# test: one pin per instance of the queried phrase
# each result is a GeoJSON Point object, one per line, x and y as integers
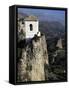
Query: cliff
{"type": "Point", "coordinates": [33, 59]}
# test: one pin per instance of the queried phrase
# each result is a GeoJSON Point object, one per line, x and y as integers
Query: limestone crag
{"type": "Point", "coordinates": [33, 58]}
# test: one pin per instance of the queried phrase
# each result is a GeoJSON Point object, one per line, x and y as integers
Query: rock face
{"type": "Point", "coordinates": [59, 43]}
{"type": "Point", "coordinates": [32, 61]}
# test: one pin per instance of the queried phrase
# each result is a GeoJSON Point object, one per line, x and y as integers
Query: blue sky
{"type": "Point", "coordinates": [43, 14]}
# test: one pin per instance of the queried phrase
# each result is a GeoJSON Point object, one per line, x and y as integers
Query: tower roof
{"type": "Point", "coordinates": [30, 18]}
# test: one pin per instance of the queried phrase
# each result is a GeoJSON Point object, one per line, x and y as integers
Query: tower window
{"type": "Point", "coordinates": [22, 21]}
{"type": "Point", "coordinates": [31, 27]}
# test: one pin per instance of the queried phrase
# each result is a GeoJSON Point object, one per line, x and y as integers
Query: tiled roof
{"type": "Point", "coordinates": [31, 18]}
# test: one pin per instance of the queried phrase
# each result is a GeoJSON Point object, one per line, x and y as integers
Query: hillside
{"type": "Point", "coordinates": [52, 29]}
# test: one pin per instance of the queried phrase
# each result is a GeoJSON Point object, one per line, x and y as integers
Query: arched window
{"type": "Point", "coordinates": [22, 21]}
{"type": "Point", "coordinates": [31, 27]}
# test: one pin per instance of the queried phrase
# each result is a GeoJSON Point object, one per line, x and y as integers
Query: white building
{"type": "Point", "coordinates": [31, 26]}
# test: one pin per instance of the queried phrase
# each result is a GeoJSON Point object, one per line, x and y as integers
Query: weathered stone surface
{"type": "Point", "coordinates": [33, 58]}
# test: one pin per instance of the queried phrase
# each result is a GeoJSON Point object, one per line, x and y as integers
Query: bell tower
{"type": "Point", "coordinates": [31, 26]}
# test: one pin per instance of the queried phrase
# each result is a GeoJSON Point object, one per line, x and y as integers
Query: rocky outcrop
{"type": "Point", "coordinates": [59, 43]}
{"type": "Point", "coordinates": [32, 61]}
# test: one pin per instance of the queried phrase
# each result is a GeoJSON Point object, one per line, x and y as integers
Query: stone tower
{"type": "Point", "coordinates": [31, 26]}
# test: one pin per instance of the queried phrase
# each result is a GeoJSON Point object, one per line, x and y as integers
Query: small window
{"type": "Point", "coordinates": [22, 21]}
{"type": "Point", "coordinates": [31, 27]}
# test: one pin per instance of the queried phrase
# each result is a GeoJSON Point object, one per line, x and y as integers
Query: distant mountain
{"type": "Point", "coordinates": [52, 29]}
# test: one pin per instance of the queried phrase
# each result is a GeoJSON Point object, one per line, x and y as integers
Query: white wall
{"type": "Point", "coordinates": [30, 34]}
{"type": "Point", "coordinates": [4, 45]}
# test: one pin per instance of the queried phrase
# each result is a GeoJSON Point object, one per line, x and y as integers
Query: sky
{"type": "Point", "coordinates": [45, 14]}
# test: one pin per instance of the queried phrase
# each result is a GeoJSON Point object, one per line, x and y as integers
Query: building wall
{"type": "Point", "coordinates": [30, 34]}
